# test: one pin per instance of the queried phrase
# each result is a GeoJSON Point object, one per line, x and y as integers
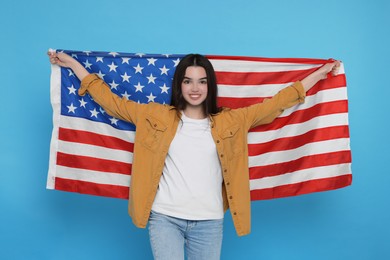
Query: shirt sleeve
{"type": "Point", "coordinates": [114, 105]}
{"type": "Point", "coordinates": [269, 109]}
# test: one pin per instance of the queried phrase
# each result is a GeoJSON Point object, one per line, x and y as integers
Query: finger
{"type": "Point", "coordinates": [52, 55]}
{"type": "Point", "coordinates": [54, 60]}
{"type": "Point", "coordinates": [335, 70]}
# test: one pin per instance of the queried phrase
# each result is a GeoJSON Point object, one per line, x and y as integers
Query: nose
{"type": "Point", "coordinates": [195, 87]}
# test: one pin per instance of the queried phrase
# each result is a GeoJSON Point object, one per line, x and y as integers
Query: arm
{"type": "Point", "coordinates": [267, 111]}
{"type": "Point", "coordinates": [114, 105]}
{"type": "Point", "coordinates": [320, 74]}
{"type": "Point", "coordinates": [64, 60]}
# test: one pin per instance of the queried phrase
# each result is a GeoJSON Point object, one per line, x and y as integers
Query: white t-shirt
{"type": "Point", "coordinates": [191, 184]}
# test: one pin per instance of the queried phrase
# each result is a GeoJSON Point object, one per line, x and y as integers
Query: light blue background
{"type": "Point", "coordinates": [350, 223]}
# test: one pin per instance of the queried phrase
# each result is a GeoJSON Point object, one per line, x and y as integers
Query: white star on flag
{"type": "Point", "coordinates": [70, 73]}
{"type": "Point", "coordinates": [164, 70]}
{"type": "Point", "coordinates": [71, 108]}
{"type": "Point", "coordinates": [151, 97]}
{"type": "Point", "coordinates": [176, 62]}
{"type": "Point", "coordinates": [72, 90]}
{"type": "Point", "coordinates": [164, 89]}
{"type": "Point", "coordinates": [87, 64]}
{"type": "Point", "coordinates": [125, 77]}
{"type": "Point", "coordinates": [113, 53]}
{"type": "Point", "coordinates": [125, 60]}
{"type": "Point", "coordinates": [151, 61]}
{"type": "Point", "coordinates": [113, 85]}
{"type": "Point", "coordinates": [82, 103]}
{"type": "Point", "coordinates": [138, 87]}
{"type": "Point", "coordinates": [101, 75]}
{"type": "Point", "coordinates": [112, 67]}
{"type": "Point", "coordinates": [138, 69]}
{"type": "Point", "coordinates": [151, 79]}
{"type": "Point", "coordinates": [94, 112]}
{"type": "Point", "coordinates": [125, 95]}
{"type": "Point", "coordinates": [113, 120]}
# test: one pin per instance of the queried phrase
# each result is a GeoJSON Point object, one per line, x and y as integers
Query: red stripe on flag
{"type": "Point", "coordinates": [85, 137]}
{"type": "Point", "coordinates": [91, 188]}
{"type": "Point", "coordinates": [259, 78]}
{"type": "Point", "coordinates": [232, 102]}
{"type": "Point", "coordinates": [264, 59]}
{"type": "Point", "coordinates": [93, 164]}
{"type": "Point", "coordinates": [302, 187]}
{"type": "Point", "coordinates": [312, 161]}
{"type": "Point", "coordinates": [287, 143]}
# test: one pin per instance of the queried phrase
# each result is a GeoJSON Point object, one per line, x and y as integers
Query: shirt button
{"type": "Point", "coordinates": [231, 197]}
{"type": "Point", "coordinates": [225, 170]}
{"type": "Point", "coordinates": [217, 141]}
{"type": "Point", "coordinates": [228, 183]}
{"type": "Point", "coordinates": [221, 155]}
{"type": "Point", "coordinates": [234, 213]}
{"type": "Point", "coordinates": [155, 125]}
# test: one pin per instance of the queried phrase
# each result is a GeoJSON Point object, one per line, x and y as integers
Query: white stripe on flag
{"type": "Point", "coordinates": [264, 90]}
{"type": "Point", "coordinates": [258, 66]}
{"type": "Point", "coordinates": [110, 178]}
{"type": "Point", "coordinates": [55, 99]}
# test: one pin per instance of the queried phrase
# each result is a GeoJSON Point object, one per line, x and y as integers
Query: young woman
{"type": "Point", "coordinates": [191, 157]}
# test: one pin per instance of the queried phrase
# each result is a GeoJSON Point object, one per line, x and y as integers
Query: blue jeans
{"type": "Point", "coordinates": [202, 239]}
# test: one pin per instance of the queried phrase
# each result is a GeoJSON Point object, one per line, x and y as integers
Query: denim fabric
{"type": "Point", "coordinates": [173, 238]}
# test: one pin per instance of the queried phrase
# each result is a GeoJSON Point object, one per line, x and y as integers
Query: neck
{"type": "Point", "coordinates": [194, 113]}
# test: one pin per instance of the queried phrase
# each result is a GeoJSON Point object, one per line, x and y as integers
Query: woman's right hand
{"type": "Point", "coordinates": [61, 59]}
{"type": "Point", "coordinates": [66, 61]}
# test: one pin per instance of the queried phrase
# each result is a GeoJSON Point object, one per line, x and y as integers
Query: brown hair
{"type": "Point", "coordinates": [177, 100]}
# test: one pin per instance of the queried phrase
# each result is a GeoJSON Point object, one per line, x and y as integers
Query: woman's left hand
{"type": "Point", "coordinates": [320, 74]}
{"type": "Point", "coordinates": [329, 67]}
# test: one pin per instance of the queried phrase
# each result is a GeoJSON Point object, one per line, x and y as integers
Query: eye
{"type": "Point", "coordinates": [186, 81]}
{"type": "Point", "coordinates": [204, 82]}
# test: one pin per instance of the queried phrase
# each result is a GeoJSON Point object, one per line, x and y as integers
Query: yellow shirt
{"type": "Point", "coordinates": [156, 126]}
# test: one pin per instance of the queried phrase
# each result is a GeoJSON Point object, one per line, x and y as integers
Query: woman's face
{"type": "Point", "coordinates": [194, 86]}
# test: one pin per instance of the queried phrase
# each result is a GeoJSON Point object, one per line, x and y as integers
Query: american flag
{"type": "Point", "coordinates": [306, 149]}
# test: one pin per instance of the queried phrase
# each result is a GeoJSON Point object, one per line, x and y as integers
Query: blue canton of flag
{"type": "Point", "coordinates": [138, 77]}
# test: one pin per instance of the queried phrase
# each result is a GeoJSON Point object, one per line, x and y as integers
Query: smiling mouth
{"type": "Point", "coordinates": [195, 96]}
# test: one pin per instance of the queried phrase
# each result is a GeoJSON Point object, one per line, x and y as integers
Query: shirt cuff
{"type": "Point", "coordinates": [300, 90]}
{"type": "Point", "coordinates": [86, 82]}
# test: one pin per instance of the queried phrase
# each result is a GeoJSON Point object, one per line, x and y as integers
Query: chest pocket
{"type": "Point", "coordinates": [154, 132]}
{"type": "Point", "coordinates": [232, 141]}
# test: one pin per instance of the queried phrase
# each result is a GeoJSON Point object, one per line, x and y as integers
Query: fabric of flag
{"type": "Point", "coordinates": [306, 149]}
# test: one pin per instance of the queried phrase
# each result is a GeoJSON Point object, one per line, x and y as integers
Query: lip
{"type": "Point", "coordinates": [195, 96]}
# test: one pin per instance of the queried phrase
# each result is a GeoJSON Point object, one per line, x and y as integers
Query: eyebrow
{"type": "Point", "coordinates": [191, 78]}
